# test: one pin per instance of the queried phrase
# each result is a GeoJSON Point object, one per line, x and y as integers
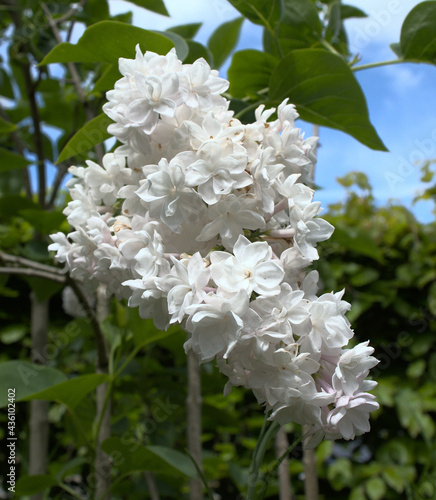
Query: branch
{"type": "Point", "coordinates": [21, 261]}
{"type": "Point", "coordinates": [34, 112]}
{"type": "Point", "coordinates": [103, 360]}
{"type": "Point", "coordinates": [61, 173]}
{"type": "Point", "coordinates": [33, 272]}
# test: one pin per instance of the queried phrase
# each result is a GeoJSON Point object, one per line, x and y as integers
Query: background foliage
{"type": "Point", "coordinates": [51, 92]}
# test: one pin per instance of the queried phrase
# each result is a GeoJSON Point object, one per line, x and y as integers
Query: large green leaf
{"type": "Point", "coordinates": [26, 378]}
{"type": "Point", "coordinates": [70, 392]}
{"type": "Point", "coordinates": [223, 40]}
{"type": "Point", "coordinates": [299, 28]}
{"type": "Point", "coordinates": [418, 33]}
{"type": "Point", "coordinates": [11, 161]}
{"type": "Point", "coordinates": [197, 50]}
{"type": "Point", "coordinates": [157, 6]}
{"type": "Point", "coordinates": [107, 41]}
{"type": "Point", "coordinates": [107, 79]}
{"type": "Point", "coordinates": [250, 72]}
{"type": "Point", "coordinates": [187, 31]}
{"type": "Point", "coordinates": [264, 12]}
{"type": "Point", "coordinates": [130, 456]}
{"type": "Point", "coordinates": [92, 133]}
{"type": "Point", "coordinates": [348, 11]}
{"type": "Point", "coordinates": [325, 91]}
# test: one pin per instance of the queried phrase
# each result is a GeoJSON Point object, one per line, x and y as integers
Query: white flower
{"type": "Point", "coordinates": [184, 285]}
{"type": "Point", "coordinates": [350, 417]}
{"type": "Point", "coordinates": [169, 197]}
{"type": "Point", "coordinates": [250, 268]}
{"type": "Point", "coordinates": [229, 218]}
{"type": "Point", "coordinates": [216, 175]}
{"type": "Point", "coordinates": [353, 367]}
{"type": "Point", "coordinates": [215, 326]}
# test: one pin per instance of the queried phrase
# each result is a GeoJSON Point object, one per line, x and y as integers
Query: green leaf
{"type": "Point", "coordinates": [250, 72]}
{"type": "Point", "coordinates": [357, 494]}
{"type": "Point", "coordinates": [6, 127]}
{"type": "Point", "coordinates": [129, 456]}
{"type": "Point", "coordinates": [418, 33]}
{"type": "Point", "coordinates": [375, 488]}
{"type": "Point", "coordinates": [223, 40]}
{"type": "Point", "coordinates": [12, 161]}
{"type": "Point", "coordinates": [13, 333]}
{"type": "Point", "coordinates": [29, 485]}
{"type": "Point", "coordinates": [299, 28]}
{"type": "Point", "coordinates": [5, 85]}
{"type": "Point", "coordinates": [348, 11]}
{"type": "Point", "coordinates": [264, 12]}
{"type": "Point", "coordinates": [26, 378]}
{"type": "Point", "coordinates": [157, 6]}
{"type": "Point", "coordinates": [326, 92]}
{"type": "Point", "coordinates": [175, 459]}
{"type": "Point", "coordinates": [187, 31]}
{"type": "Point", "coordinates": [71, 392]}
{"type": "Point", "coordinates": [43, 221]}
{"type": "Point", "coordinates": [180, 43]}
{"type": "Point", "coordinates": [107, 79]}
{"type": "Point", "coordinates": [92, 133]}
{"type": "Point", "coordinates": [107, 41]}
{"type": "Point", "coordinates": [143, 330]}
{"type": "Point", "coordinates": [396, 49]}
{"type": "Point", "coordinates": [197, 50]}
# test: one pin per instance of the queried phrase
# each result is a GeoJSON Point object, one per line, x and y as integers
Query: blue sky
{"type": "Point", "coordinates": [401, 98]}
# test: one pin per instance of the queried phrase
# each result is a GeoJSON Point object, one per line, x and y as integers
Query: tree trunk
{"type": "Point", "coordinates": [103, 465]}
{"type": "Point", "coordinates": [310, 473]}
{"type": "Point", "coordinates": [38, 423]}
{"type": "Point", "coordinates": [282, 444]}
{"type": "Point", "coordinates": [193, 409]}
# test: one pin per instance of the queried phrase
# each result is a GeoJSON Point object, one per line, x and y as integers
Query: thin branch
{"type": "Point", "coordinates": [70, 13]}
{"type": "Point", "coordinates": [21, 261]}
{"type": "Point", "coordinates": [25, 271]}
{"type": "Point", "coordinates": [103, 358]}
{"type": "Point", "coordinates": [34, 111]}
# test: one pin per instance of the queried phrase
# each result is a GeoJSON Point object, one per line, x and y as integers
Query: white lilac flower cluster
{"type": "Point", "coordinates": [200, 220]}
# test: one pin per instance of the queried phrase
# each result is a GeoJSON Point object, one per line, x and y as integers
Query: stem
{"type": "Point", "coordinates": [151, 485]}
{"type": "Point", "coordinates": [244, 111]}
{"type": "Point", "coordinates": [264, 440]}
{"type": "Point", "coordinates": [378, 64]}
{"type": "Point", "coordinates": [193, 409]}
